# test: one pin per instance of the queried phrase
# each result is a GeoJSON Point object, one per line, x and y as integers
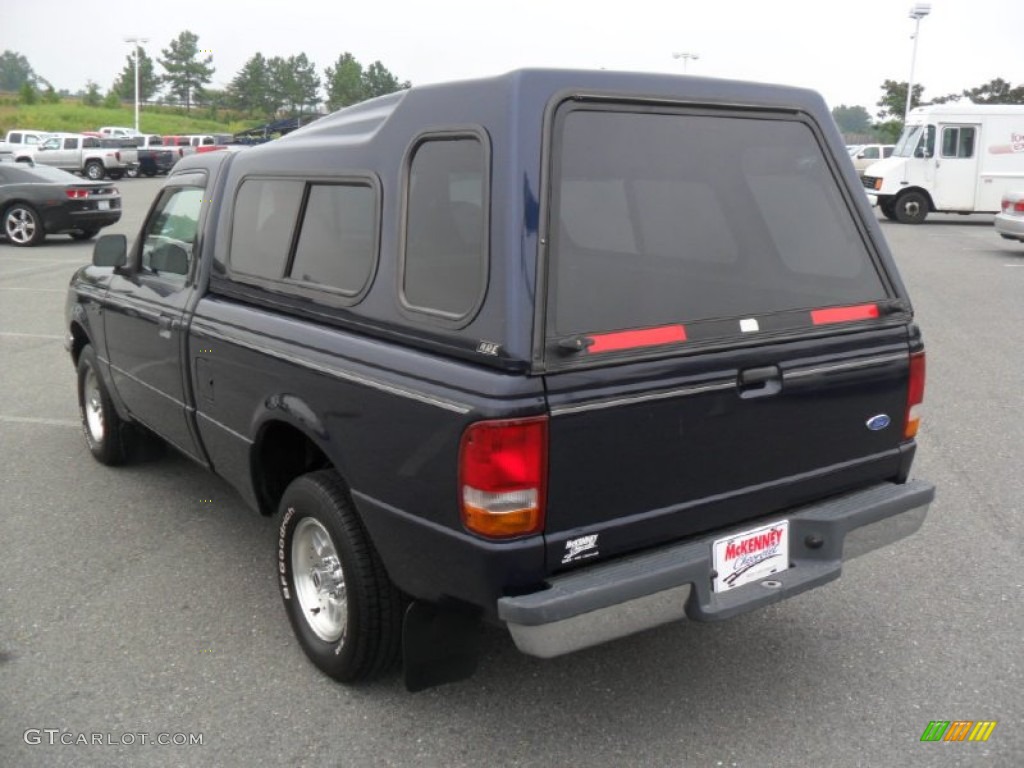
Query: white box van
{"type": "Point", "coordinates": [951, 158]}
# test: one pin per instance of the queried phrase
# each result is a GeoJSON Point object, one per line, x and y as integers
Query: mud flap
{"type": "Point", "coordinates": [439, 645]}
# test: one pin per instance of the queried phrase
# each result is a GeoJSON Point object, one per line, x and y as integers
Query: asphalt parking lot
{"type": "Point", "coordinates": [142, 600]}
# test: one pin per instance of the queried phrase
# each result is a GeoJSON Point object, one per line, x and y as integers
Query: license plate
{"type": "Point", "coordinates": [103, 205]}
{"type": "Point", "coordinates": [750, 555]}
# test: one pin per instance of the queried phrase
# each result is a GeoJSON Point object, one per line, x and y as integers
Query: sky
{"type": "Point", "coordinates": [842, 50]}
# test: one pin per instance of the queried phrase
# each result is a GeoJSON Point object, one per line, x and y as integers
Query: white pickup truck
{"type": "Point", "coordinates": [21, 140]}
{"type": "Point", "coordinates": [86, 155]}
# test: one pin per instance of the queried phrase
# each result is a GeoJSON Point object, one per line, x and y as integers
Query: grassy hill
{"type": "Point", "coordinates": [72, 116]}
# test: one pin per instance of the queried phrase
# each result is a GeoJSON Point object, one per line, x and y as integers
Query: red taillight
{"type": "Point", "coordinates": [76, 194]}
{"type": "Point", "coordinates": [503, 477]}
{"type": "Point", "coordinates": [1018, 207]}
{"type": "Point", "coordinates": [915, 395]}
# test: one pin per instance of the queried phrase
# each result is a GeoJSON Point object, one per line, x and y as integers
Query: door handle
{"type": "Point", "coordinates": [166, 324]}
{"type": "Point", "coordinates": [759, 382]}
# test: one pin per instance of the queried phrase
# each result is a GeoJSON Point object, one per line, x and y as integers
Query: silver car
{"type": "Point", "coordinates": [1010, 222]}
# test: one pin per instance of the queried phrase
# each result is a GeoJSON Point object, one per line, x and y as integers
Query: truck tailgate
{"type": "Point", "coordinates": [652, 452]}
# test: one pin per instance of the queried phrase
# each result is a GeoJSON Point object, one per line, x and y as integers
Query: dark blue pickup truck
{"type": "Point", "coordinates": [579, 353]}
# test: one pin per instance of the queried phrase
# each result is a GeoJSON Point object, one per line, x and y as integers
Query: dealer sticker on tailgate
{"type": "Point", "coordinates": [751, 555]}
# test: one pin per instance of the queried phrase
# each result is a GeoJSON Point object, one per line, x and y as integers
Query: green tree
{"type": "Point", "coordinates": [15, 71]}
{"type": "Point", "coordinates": [186, 71]}
{"type": "Point", "coordinates": [149, 83]}
{"type": "Point", "coordinates": [306, 83]}
{"type": "Point", "coordinates": [282, 82]}
{"type": "Point", "coordinates": [894, 100]}
{"type": "Point", "coordinates": [112, 100]}
{"type": "Point", "coordinates": [996, 91]}
{"type": "Point", "coordinates": [91, 97]}
{"type": "Point", "coordinates": [378, 81]}
{"type": "Point", "coordinates": [50, 96]}
{"type": "Point", "coordinates": [344, 82]}
{"type": "Point", "coordinates": [250, 90]}
{"type": "Point", "coordinates": [27, 94]}
{"type": "Point", "coordinates": [852, 119]}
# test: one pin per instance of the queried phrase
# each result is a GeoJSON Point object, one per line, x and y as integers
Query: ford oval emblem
{"type": "Point", "coordinates": [879, 422]}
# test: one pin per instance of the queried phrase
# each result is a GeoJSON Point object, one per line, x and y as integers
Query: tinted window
{"type": "Point", "coordinates": [668, 218]}
{"type": "Point", "coordinates": [15, 138]}
{"type": "Point", "coordinates": [871, 153]}
{"type": "Point", "coordinates": [887, 151]}
{"type": "Point", "coordinates": [261, 235]}
{"type": "Point", "coordinates": [445, 249]}
{"type": "Point", "coordinates": [70, 143]}
{"type": "Point", "coordinates": [338, 238]}
{"type": "Point", "coordinates": [23, 174]}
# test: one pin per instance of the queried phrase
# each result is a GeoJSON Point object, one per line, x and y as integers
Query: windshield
{"type": "Point", "coordinates": [916, 141]}
{"type": "Point", "coordinates": [665, 218]}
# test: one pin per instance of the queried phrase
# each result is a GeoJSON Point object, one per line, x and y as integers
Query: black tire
{"type": "Point", "coordinates": [116, 175]}
{"type": "Point", "coordinates": [84, 234]}
{"type": "Point", "coordinates": [149, 174]}
{"type": "Point", "coordinates": [132, 173]}
{"type": "Point", "coordinates": [911, 208]}
{"type": "Point", "coordinates": [351, 628]}
{"type": "Point", "coordinates": [94, 170]}
{"type": "Point", "coordinates": [110, 438]}
{"type": "Point", "coordinates": [22, 226]}
{"type": "Point", "coordinates": [888, 210]}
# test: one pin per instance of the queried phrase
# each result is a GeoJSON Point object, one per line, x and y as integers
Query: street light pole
{"type": "Point", "coordinates": [918, 12]}
{"type": "Point", "coordinates": [135, 41]}
{"type": "Point", "coordinates": [685, 56]}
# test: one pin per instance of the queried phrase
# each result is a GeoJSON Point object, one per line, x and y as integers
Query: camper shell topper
{"type": "Point", "coordinates": [576, 353]}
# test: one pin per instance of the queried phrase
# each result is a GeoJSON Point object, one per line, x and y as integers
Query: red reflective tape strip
{"type": "Point", "coordinates": [646, 337]}
{"type": "Point", "coordinates": [844, 314]}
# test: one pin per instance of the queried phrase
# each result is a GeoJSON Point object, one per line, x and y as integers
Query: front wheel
{"type": "Point", "coordinates": [22, 226]}
{"type": "Point", "coordinates": [110, 438]}
{"type": "Point", "coordinates": [911, 208]}
{"type": "Point", "coordinates": [888, 209]}
{"type": "Point", "coordinates": [344, 610]}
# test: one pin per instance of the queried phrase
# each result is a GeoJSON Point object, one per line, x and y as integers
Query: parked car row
{"type": "Point", "coordinates": [111, 152]}
{"type": "Point", "coordinates": [37, 200]}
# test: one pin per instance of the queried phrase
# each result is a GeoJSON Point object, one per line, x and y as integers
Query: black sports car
{"type": "Point", "coordinates": [36, 201]}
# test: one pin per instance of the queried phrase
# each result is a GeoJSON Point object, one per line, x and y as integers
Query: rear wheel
{"type": "Point", "coordinates": [111, 439]}
{"type": "Point", "coordinates": [94, 170]}
{"type": "Point", "coordinates": [911, 208]}
{"type": "Point", "coordinates": [344, 610]}
{"type": "Point", "coordinates": [22, 225]}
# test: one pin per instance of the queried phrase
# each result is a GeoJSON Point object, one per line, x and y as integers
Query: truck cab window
{"type": "Point", "coordinates": [171, 232]}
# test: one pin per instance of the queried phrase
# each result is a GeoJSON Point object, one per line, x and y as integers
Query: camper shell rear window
{"type": "Point", "coordinates": [686, 226]}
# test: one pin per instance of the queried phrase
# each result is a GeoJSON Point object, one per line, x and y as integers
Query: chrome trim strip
{"type": "Point", "coordinates": [224, 427]}
{"type": "Point", "coordinates": [852, 365]}
{"type": "Point", "coordinates": [448, 405]}
{"type": "Point", "coordinates": [564, 410]}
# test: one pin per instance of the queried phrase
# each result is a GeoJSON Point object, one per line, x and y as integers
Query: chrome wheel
{"type": "Point", "coordinates": [93, 407]}
{"type": "Point", "coordinates": [319, 580]}
{"type": "Point", "coordinates": [21, 226]}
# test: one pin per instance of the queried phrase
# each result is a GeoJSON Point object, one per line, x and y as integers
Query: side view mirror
{"type": "Point", "coordinates": [110, 251]}
{"type": "Point", "coordinates": [860, 156]}
{"type": "Point", "coordinates": [919, 152]}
